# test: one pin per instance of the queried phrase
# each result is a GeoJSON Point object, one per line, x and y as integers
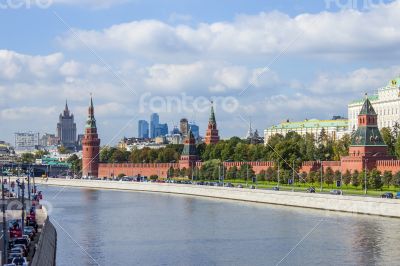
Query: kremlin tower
{"type": "Point", "coordinates": [367, 145]}
{"type": "Point", "coordinates": [212, 136]}
{"type": "Point", "coordinates": [90, 146]}
{"type": "Point", "coordinates": [189, 155]}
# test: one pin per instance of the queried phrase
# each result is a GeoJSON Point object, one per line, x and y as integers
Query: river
{"type": "Point", "coordinates": [104, 227]}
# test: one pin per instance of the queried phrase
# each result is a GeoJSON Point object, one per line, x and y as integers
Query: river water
{"type": "Point", "coordinates": [136, 228]}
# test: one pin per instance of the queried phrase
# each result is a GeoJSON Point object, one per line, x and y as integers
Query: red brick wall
{"type": "Point", "coordinates": [388, 165]}
{"type": "Point", "coordinates": [129, 169]}
{"type": "Point", "coordinates": [161, 169]}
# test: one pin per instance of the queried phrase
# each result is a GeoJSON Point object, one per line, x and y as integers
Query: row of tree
{"type": "Point", "coordinates": [285, 149]}
{"type": "Point", "coordinates": [214, 170]}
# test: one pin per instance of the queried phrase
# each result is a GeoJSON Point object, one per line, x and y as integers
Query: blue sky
{"type": "Point", "coordinates": [298, 59]}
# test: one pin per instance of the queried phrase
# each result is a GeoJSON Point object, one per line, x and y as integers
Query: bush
{"type": "Point", "coordinates": [154, 177]}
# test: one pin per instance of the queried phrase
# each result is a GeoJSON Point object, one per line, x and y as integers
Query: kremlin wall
{"type": "Point", "coordinates": [367, 151]}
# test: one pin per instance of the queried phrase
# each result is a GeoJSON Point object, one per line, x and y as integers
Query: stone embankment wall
{"type": "Point", "coordinates": [46, 250]}
{"type": "Point", "coordinates": [353, 204]}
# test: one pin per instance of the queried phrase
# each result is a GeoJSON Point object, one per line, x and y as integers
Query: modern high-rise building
{"type": "Point", "coordinates": [26, 140]}
{"type": "Point", "coordinates": [143, 129]}
{"type": "Point", "coordinates": [161, 130]}
{"type": "Point", "coordinates": [154, 122]}
{"type": "Point", "coordinates": [184, 126]}
{"type": "Point", "coordinates": [66, 129]}
{"type": "Point", "coordinates": [195, 130]}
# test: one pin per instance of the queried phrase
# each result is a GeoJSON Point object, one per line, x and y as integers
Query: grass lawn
{"type": "Point", "coordinates": [349, 190]}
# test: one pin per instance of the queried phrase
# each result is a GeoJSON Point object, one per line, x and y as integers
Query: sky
{"type": "Point", "coordinates": [258, 61]}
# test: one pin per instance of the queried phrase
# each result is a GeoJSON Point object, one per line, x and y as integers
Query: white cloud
{"type": "Point", "coordinates": [13, 65]}
{"type": "Point", "coordinates": [344, 35]}
{"type": "Point", "coordinates": [358, 81]}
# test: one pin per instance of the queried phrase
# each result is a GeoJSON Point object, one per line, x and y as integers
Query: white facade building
{"type": "Point", "coordinates": [335, 129]}
{"type": "Point", "coordinates": [386, 103]}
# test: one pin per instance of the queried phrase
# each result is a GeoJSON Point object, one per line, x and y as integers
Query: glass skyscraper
{"type": "Point", "coordinates": [143, 129]}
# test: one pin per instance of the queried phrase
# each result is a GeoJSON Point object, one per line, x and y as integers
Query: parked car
{"type": "Point", "coordinates": [336, 192]}
{"type": "Point", "coordinates": [310, 190]}
{"type": "Point", "coordinates": [20, 261]}
{"type": "Point", "coordinates": [252, 187]}
{"type": "Point", "coordinates": [275, 188]}
{"type": "Point", "coordinates": [398, 195]}
{"type": "Point", "coordinates": [387, 195]}
{"type": "Point", "coordinates": [240, 186]}
{"type": "Point", "coordinates": [229, 185]}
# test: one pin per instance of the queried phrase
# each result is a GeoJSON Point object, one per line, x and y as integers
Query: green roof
{"type": "Point", "coordinates": [372, 98]}
{"type": "Point", "coordinates": [367, 136]}
{"type": "Point", "coordinates": [312, 123]}
{"type": "Point", "coordinates": [367, 108]}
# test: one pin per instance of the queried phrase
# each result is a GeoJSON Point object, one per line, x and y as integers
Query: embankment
{"type": "Point", "coordinates": [352, 204]}
{"type": "Point", "coordinates": [46, 249]}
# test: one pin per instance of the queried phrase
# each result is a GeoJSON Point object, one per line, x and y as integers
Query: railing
{"type": "Point", "coordinates": [46, 249]}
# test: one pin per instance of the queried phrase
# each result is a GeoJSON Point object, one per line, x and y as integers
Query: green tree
{"type": "Point", "coordinates": [329, 176]}
{"type": "Point", "coordinates": [389, 139]}
{"type": "Point", "coordinates": [375, 180]}
{"type": "Point", "coordinates": [27, 158]}
{"type": "Point", "coordinates": [261, 175]}
{"type": "Point", "coordinates": [341, 147]}
{"type": "Point", "coordinates": [154, 177]}
{"type": "Point", "coordinates": [396, 180]}
{"type": "Point", "coordinates": [387, 178]}
{"type": "Point", "coordinates": [232, 173]}
{"type": "Point", "coordinates": [40, 154]}
{"type": "Point", "coordinates": [347, 178]}
{"type": "Point", "coordinates": [63, 150]}
{"type": "Point", "coordinates": [397, 147]}
{"type": "Point", "coordinates": [312, 177]}
{"type": "Point", "coordinates": [355, 178]}
{"type": "Point", "coordinates": [246, 172]}
{"type": "Point", "coordinates": [76, 163]}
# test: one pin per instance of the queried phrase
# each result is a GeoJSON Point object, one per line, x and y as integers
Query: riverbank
{"type": "Point", "coordinates": [352, 204]}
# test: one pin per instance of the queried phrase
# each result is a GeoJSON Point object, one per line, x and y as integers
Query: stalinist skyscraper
{"type": "Point", "coordinates": [66, 128]}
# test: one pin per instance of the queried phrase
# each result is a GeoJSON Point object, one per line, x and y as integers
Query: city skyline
{"type": "Point", "coordinates": [304, 81]}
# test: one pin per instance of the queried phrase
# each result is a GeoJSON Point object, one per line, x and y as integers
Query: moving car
{"type": "Point", "coordinates": [310, 190]}
{"type": "Point", "coordinates": [336, 192]}
{"type": "Point", "coordinates": [387, 195]}
{"type": "Point", "coordinates": [398, 195]}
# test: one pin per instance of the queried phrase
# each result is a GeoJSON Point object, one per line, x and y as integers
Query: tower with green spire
{"type": "Point", "coordinates": [90, 146]}
{"type": "Point", "coordinates": [367, 145]}
{"type": "Point", "coordinates": [212, 134]}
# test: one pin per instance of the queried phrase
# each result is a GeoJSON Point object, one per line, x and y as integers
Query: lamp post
{"type": "Point", "coordinates": [278, 175]}
{"type": "Point", "coordinates": [365, 176]}
{"type": "Point", "coordinates": [321, 175]}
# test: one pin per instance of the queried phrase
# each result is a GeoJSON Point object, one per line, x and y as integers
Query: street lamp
{"type": "Point", "coordinates": [365, 177]}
